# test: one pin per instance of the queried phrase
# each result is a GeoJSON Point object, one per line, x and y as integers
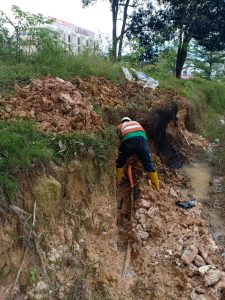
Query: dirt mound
{"type": "Point", "coordinates": [108, 94]}
{"type": "Point", "coordinates": [55, 104]}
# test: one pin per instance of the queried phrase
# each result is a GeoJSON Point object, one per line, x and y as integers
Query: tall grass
{"type": "Point", "coordinates": [60, 64]}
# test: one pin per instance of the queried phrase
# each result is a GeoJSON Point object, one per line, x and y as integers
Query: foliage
{"type": "Point", "coordinates": [181, 20]}
{"type": "Point", "coordinates": [20, 33]}
{"type": "Point", "coordinates": [32, 276]}
{"type": "Point", "coordinates": [163, 65]}
{"type": "Point", "coordinates": [205, 61]}
{"type": "Point", "coordinates": [137, 53]}
{"type": "Point", "coordinates": [214, 131]}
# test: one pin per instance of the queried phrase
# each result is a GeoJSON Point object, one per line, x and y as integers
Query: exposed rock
{"type": "Point", "coordinates": [137, 214]}
{"type": "Point", "coordinates": [142, 219]}
{"type": "Point", "coordinates": [143, 235]}
{"type": "Point", "coordinates": [199, 261]}
{"type": "Point", "coordinates": [55, 104]}
{"type": "Point", "coordinates": [195, 296]}
{"type": "Point", "coordinates": [189, 254]}
{"type": "Point", "coordinates": [200, 290]}
{"type": "Point", "coordinates": [204, 252]}
{"type": "Point", "coordinates": [193, 270]}
{"type": "Point", "coordinates": [212, 245]}
{"type": "Point", "coordinates": [173, 193]}
{"type": "Point", "coordinates": [54, 255]}
{"type": "Point", "coordinates": [69, 237]}
{"type": "Point", "coordinates": [142, 210]}
{"type": "Point", "coordinates": [204, 269]}
{"type": "Point", "coordinates": [144, 204]}
{"type": "Point", "coordinates": [212, 277]}
{"type": "Point", "coordinates": [47, 192]}
{"type": "Point", "coordinates": [39, 292]}
{"type": "Point", "coordinates": [152, 211]}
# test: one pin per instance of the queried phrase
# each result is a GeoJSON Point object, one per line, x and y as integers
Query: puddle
{"type": "Point", "coordinates": [201, 178]}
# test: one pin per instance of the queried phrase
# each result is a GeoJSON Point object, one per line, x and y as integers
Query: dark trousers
{"type": "Point", "coordinates": [135, 146]}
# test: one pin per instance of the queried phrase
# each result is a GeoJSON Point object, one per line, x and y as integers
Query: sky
{"type": "Point", "coordinates": [96, 18]}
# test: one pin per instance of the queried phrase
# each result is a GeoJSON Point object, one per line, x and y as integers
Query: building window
{"type": "Point", "coordinates": [69, 38]}
{"type": "Point", "coordinates": [87, 44]}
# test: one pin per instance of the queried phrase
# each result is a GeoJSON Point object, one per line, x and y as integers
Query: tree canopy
{"type": "Point", "coordinates": [183, 20]}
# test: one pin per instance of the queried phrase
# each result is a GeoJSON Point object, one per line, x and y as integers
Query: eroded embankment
{"type": "Point", "coordinates": [68, 237]}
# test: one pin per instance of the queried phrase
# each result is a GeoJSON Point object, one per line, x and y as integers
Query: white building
{"type": "Point", "coordinates": [76, 37]}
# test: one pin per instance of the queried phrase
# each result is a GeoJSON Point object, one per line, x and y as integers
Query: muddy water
{"type": "Point", "coordinates": [208, 190]}
{"type": "Point", "coordinates": [200, 176]}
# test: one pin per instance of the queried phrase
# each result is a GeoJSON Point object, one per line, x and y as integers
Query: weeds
{"type": "Point", "coordinates": [32, 276]}
{"type": "Point", "coordinates": [99, 147]}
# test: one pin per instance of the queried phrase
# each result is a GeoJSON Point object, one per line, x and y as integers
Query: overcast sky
{"type": "Point", "coordinates": [96, 18]}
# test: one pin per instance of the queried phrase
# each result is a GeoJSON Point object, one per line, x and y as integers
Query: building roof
{"type": "Point", "coordinates": [63, 25]}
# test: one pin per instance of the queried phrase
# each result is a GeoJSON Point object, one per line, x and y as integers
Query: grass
{"type": "Point", "coordinates": [24, 148]}
{"type": "Point", "coordinates": [61, 64]}
{"type": "Point", "coordinates": [214, 130]}
{"type": "Point", "coordinates": [200, 91]}
{"type": "Point", "coordinates": [21, 147]}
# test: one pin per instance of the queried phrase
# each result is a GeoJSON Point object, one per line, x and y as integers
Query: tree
{"type": "Point", "coordinates": [4, 32]}
{"type": "Point", "coordinates": [20, 32]}
{"type": "Point", "coordinates": [206, 61]}
{"type": "Point", "coordinates": [183, 20]}
{"type": "Point", "coordinates": [119, 10]}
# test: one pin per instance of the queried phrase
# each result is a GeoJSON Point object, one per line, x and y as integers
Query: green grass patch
{"type": "Point", "coordinates": [23, 148]}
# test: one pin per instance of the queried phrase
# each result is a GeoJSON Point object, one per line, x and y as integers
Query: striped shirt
{"type": "Point", "coordinates": [131, 129]}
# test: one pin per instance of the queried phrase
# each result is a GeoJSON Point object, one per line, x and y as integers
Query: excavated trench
{"type": "Point", "coordinates": [169, 147]}
{"type": "Point", "coordinates": [201, 184]}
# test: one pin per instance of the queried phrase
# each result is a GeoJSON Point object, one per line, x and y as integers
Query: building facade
{"type": "Point", "coordinates": [75, 37]}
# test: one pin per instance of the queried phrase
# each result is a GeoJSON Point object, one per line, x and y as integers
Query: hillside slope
{"type": "Point", "coordinates": [67, 233]}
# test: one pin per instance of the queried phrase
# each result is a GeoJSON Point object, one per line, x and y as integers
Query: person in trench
{"type": "Point", "coordinates": [134, 141]}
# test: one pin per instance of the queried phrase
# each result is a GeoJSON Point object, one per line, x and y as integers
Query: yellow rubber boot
{"type": "Point", "coordinates": [119, 175]}
{"type": "Point", "coordinates": [153, 176]}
